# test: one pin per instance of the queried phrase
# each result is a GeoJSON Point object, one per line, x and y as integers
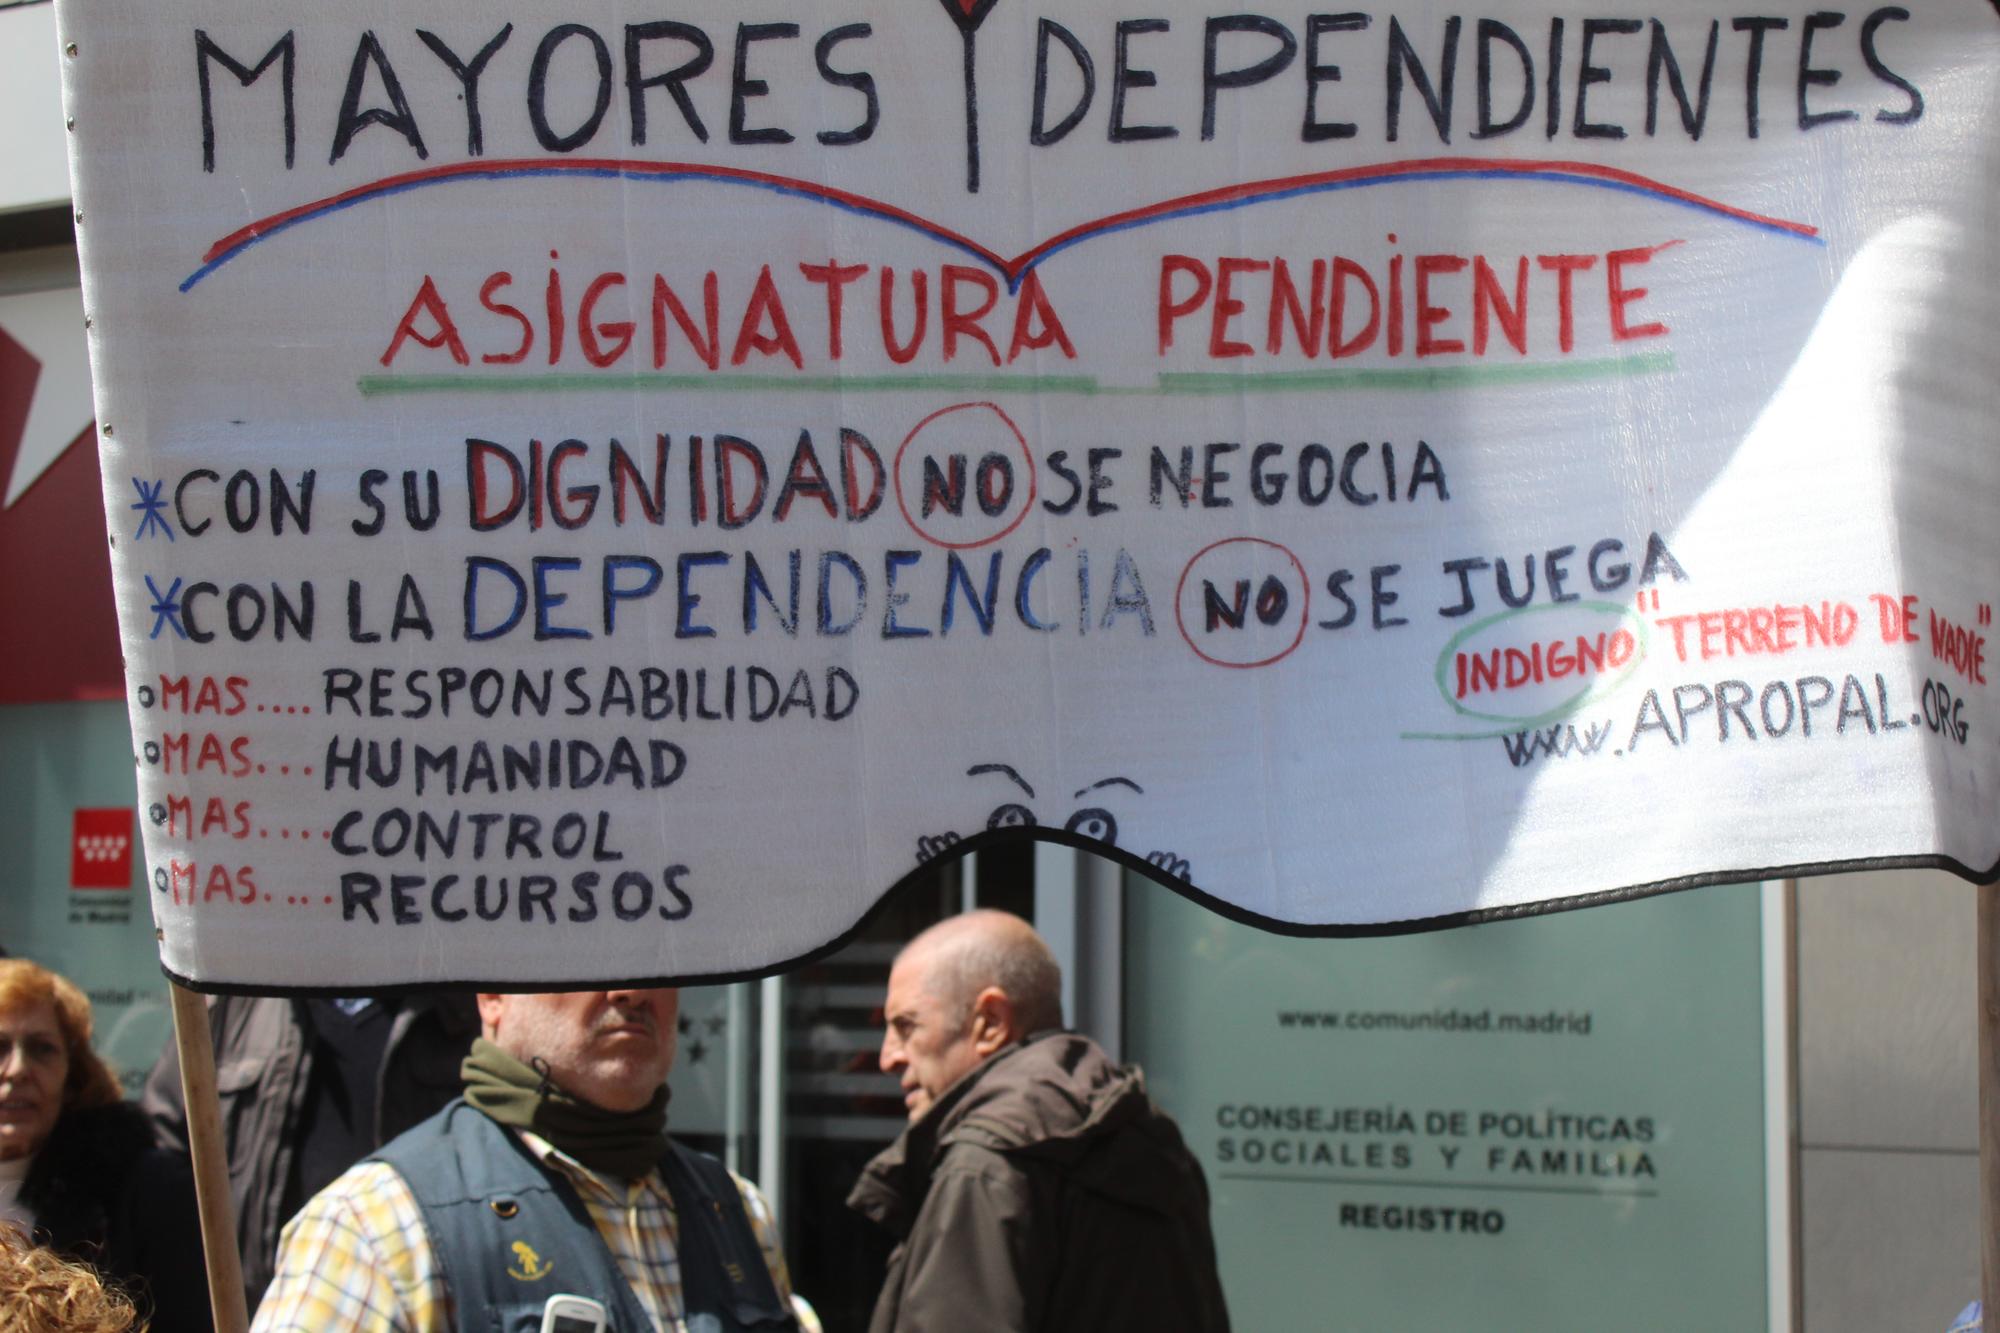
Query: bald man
{"type": "Point", "coordinates": [1037, 1186]}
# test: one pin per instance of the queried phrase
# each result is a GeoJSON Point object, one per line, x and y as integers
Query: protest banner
{"type": "Point", "coordinates": [601, 495]}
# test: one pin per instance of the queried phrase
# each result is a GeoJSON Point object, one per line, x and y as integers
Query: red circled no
{"type": "Point", "coordinates": [1305, 604]}
{"type": "Point", "coordinates": [1027, 457]}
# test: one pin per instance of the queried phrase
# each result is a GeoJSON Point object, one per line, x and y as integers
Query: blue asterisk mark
{"type": "Point", "coordinates": [152, 504]}
{"type": "Point", "coordinates": [166, 608]}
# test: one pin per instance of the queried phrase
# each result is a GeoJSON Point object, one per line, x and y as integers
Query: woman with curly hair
{"type": "Point", "coordinates": [79, 1171]}
{"type": "Point", "coordinates": [42, 1292]}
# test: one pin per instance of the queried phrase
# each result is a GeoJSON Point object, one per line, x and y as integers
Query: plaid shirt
{"type": "Point", "coordinates": [357, 1255]}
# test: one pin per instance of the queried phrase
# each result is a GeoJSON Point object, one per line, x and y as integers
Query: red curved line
{"type": "Point", "coordinates": [1012, 268]}
{"type": "Point", "coordinates": [1387, 170]}
{"type": "Point", "coordinates": [622, 165]}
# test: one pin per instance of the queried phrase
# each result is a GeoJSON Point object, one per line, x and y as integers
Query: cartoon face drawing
{"type": "Point", "coordinates": [1091, 821]}
{"type": "Point", "coordinates": [1088, 817]}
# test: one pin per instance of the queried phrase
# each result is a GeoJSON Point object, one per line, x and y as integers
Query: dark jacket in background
{"type": "Point", "coordinates": [263, 1074]}
{"type": "Point", "coordinates": [102, 1192]}
{"type": "Point", "coordinates": [1044, 1192]}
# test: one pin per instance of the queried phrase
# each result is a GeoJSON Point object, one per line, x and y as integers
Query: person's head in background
{"type": "Point", "coordinates": [41, 1292]}
{"type": "Point", "coordinates": [46, 1064]}
{"type": "Point", "coordinates": [959, 993]}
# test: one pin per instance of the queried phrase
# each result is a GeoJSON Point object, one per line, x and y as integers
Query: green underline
{"type": "Point", "coordinates": [373, 386]}
{"type": "Point", "coordinates": [1418, 379]}
{"type": "Point", "coordinates": [1421, 379]}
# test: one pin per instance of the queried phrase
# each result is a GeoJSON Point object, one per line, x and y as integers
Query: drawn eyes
{"type": "Point", "coordinates": [1094, 822]}
{"type": "Point", "coordinates": [1091, 822]}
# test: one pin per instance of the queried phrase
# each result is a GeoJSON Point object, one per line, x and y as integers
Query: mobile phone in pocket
{"type": "Point", "coordinates": [574, 1314]}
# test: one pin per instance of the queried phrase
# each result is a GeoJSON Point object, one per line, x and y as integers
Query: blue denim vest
{"type": "Point", "coordinates": [508, 1234]}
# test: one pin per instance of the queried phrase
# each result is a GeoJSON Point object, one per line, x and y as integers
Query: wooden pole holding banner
{"type": "Point", "coordinates": [1989, 1103]}
{"type": "Point", "coordinates": [196, 1048]}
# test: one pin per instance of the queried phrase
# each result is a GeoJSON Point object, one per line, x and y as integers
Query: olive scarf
{"type": "Point", "coordinates": [627, 1144]}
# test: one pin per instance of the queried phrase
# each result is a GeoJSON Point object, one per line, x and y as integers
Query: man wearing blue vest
{"type": "Point", "coordinates": [551, 1176]}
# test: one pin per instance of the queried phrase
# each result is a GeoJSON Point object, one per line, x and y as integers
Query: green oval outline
{"type": "Point", "coordinates": [1588, 694]}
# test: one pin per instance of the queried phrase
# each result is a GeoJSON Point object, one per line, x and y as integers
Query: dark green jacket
{"type": "Point", "coordinates": [1044, 1192]}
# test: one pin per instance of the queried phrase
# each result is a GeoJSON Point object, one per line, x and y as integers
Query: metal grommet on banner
{"type": "Point", "coordinates": [69, 50]}
{"type": "Point", "coordinates": [505, 1209]}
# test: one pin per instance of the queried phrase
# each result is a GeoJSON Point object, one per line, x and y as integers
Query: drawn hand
{"type": "Point", "coordinates": [928, 847]}
{"type": "Point", "coordinates": [1170, 863]}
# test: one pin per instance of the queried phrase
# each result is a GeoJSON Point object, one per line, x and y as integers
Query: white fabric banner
{"type": "Point", "coordinates": [598, 494]}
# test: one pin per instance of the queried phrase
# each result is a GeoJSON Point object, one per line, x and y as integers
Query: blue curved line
{"type": "Point", "coordinates": [1323, 187]}
{"type": "Point", "coordinates": [1013, 282]}
{"type": "Point", "coordinates": [601, 173]}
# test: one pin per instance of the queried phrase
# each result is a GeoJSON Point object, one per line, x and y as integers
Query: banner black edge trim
{"type": "Point", "coordinates": [1227, 910]}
